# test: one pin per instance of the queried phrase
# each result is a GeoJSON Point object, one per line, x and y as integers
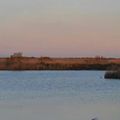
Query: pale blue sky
{"type": "Point", "coordinates": [60, 28]}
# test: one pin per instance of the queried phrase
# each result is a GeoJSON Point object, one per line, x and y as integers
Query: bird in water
{"type": "Point", "coordinates": [94, 119]}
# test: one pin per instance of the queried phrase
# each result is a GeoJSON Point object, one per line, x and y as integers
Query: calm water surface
{"type": "Point", "coordinates": [58, 95]}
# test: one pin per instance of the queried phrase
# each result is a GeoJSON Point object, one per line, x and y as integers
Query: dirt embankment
{"type": "Point", "coordinates": [46, 63]}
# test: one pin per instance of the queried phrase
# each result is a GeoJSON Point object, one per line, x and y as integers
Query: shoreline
{"type": "Point", "coordinates": [47, 63]}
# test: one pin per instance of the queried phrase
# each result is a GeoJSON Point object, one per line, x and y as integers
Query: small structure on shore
{"type": "Point", "coordinates": [112, 74]}
{"type": "Point", "coordinates": [16, 55]}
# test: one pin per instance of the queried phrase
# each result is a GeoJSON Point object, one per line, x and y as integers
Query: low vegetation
{"type": "Point", "coordinates": [112, 74]}
{"type": "Point", "coordinates": [46, 63]}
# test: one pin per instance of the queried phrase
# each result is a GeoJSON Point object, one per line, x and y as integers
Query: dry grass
{"type": "Point", "coordinates": [46, 63]}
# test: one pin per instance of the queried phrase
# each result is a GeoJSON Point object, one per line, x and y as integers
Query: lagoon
{"type": "Point", "coordinates": [58, 95]}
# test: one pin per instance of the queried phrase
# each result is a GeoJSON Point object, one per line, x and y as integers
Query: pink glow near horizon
{"type": "Point", "coordinates": [66, 33]}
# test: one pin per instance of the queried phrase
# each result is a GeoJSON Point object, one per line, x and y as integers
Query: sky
{"type": "Point", "coordinates": [64, 28]}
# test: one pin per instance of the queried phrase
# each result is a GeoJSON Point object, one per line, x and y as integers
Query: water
{"type": "Point", "coordinates": [58, 95]}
